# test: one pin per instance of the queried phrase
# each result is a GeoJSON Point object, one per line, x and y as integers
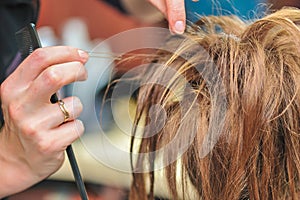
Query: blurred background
{"type": "Point", "coordinates": [86, 24]}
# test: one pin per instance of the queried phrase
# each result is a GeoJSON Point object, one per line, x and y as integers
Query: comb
{"type": "Point", "coordinates": [27, 41]}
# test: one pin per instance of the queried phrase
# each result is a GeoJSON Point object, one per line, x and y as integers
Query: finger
{"type": "Point", "coordinates": [42, 58]}
{"type": "Point", "coordinates": [70, 106]}
{"type": "Point", "coordinates": [160, 5]}
{"type": "Point", "coordinates": [57, 140]}
{"type": "Point", "coordinates": [176, 15]}
{"type": "Point", "coordinates": [50, 116]}
{"type": "Point", "coordinates": [55, 77]}
{"type": "Point", "coordinates": [67, 133]}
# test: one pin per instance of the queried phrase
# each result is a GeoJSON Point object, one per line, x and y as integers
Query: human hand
{"type": "Point", "coordinates": [174, 11]}
{"type": "Point", "coordinates": [34, 137]}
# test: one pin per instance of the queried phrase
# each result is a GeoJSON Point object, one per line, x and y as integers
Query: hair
{"type": "Point", "coordinates": [232, 95]}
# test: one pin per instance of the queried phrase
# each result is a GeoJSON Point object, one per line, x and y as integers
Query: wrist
{"type": "Point", "coordinates": [15, 174]}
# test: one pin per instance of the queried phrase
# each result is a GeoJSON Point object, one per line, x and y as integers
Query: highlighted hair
{"type": "Point", "coordinates": [256, 151]}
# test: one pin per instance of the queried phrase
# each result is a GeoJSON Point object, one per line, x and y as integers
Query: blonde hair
{"type": "Point", "coordinates": [256, 152]}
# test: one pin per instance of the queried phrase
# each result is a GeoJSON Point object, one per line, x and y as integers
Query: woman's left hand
{"type": "Point", "coordinates": [174, 10]}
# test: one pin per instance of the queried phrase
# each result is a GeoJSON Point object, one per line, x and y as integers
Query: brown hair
{"type": "Point", "coordinates": [242, 85]}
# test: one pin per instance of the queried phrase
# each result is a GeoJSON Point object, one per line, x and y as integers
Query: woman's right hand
{"type": "Point", "coordinates": [34, 137]}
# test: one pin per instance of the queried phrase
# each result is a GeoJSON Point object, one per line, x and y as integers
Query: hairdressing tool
{"type": "Point", "coordinates": [27, 41]}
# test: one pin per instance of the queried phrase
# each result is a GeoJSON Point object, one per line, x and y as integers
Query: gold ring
{"type": "Point", "coordinates": [63, 110]}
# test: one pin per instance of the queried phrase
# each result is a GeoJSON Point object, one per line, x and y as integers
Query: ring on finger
{"type": "Point", "coordinates": [63, 109]}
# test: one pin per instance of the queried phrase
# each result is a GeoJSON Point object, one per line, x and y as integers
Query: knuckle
{"type": "Point", "coordinates": [45, 146]}
{"type": "Point", "coordinates": [29, 129]}
{"type": "Point", "coordinates": [39, 55]}
{"type": "Point", "coordinates": [52, 77]}
{"type": "Point", "coordinates": [14, 111]}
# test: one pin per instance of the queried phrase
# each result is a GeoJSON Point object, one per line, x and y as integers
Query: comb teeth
{"type": "Point", "coordinates": [27, 40]}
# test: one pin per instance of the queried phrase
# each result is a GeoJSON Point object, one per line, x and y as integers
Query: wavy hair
{"type": "Point", "coordinates": [241, 122]}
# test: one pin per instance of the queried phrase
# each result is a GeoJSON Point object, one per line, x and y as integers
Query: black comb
{"type": "Point", "coordinates": [27, 41]}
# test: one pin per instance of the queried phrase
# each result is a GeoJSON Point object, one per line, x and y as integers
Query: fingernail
{"type": "Point", "coordinates": [83, 55]}
{"type": "Point", "coordinates": [179, 27]}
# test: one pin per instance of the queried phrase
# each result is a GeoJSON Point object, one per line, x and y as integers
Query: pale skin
{"type": "Point", "coordinates": [174, 10]}
{"type": "Point", "coordinates": [34, 137]}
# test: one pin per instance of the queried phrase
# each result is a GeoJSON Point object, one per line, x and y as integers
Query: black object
{"type": "Point", "coordinates": [27, 41]}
